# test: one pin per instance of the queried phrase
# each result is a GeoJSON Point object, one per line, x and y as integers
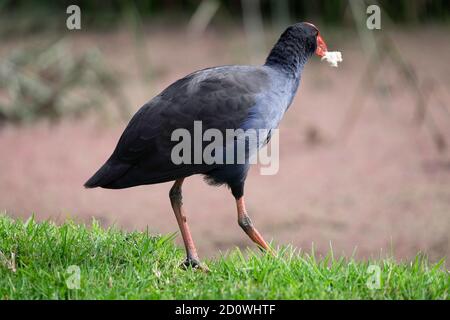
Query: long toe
{"type": "Point", "coordinates": [194, 264]}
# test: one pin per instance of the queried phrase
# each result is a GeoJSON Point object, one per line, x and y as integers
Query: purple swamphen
{"type": "Point", "coordinates": [226, 97]}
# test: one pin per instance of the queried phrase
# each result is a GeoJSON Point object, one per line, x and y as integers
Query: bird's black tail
{"type": "Point", "coordinates": [107, 174]}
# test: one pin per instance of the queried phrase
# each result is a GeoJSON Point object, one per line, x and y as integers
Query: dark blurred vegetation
{"type": "Point", "coordinates": [44, 14]}
{"type": "Point", "coordinates": [48, 82]}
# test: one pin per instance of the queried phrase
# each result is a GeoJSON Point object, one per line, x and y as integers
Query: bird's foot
{"type": "Point", "coordinates": [269, 250]}
{"type": "Point", "coordinates": [272, 252]}
{"type": "Point", "coordinates": [194, 264]}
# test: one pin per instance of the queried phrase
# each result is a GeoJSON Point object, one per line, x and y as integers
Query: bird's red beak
{"type": "Point", "coordinates": [321, 46]}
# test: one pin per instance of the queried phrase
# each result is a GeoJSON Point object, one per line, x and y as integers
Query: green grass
{"type": "Point", "coordinates": [35, 259]}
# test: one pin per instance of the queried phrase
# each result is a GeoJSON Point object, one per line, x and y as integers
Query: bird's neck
{"type": "Point", "coordinates": [288, 55]}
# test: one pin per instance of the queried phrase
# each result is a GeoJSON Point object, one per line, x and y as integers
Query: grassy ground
{"type": "Point", "coordinates": [42, 260]}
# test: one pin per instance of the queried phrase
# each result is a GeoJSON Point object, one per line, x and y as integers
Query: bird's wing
{"type": "Point", "coordinates": [219, 97]}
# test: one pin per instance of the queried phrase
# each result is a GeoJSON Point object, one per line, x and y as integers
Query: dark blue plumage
{"type": "Point", "coordinates": [227, 97]}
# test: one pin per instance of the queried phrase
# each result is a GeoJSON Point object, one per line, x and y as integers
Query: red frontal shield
{"type": "Point", "coordinates": [321, 46]}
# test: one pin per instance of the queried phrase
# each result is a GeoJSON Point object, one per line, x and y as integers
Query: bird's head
{"type": "Point", "coordinates": [309, 36]}
{"type": "Point", "coordinates": [297, 43]}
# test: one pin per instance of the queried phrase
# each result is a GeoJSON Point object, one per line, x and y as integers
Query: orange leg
{"type": "Point", "coordinates": [176, 200]}
{"type": "Point", "coordinates": [246, 224]}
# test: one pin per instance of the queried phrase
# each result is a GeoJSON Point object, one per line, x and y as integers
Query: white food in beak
{"type": "Point", "coordinates": [333, 57]}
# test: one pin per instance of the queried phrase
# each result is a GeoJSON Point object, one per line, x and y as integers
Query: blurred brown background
{"type": "Point", "coordinates": [364, 153]}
